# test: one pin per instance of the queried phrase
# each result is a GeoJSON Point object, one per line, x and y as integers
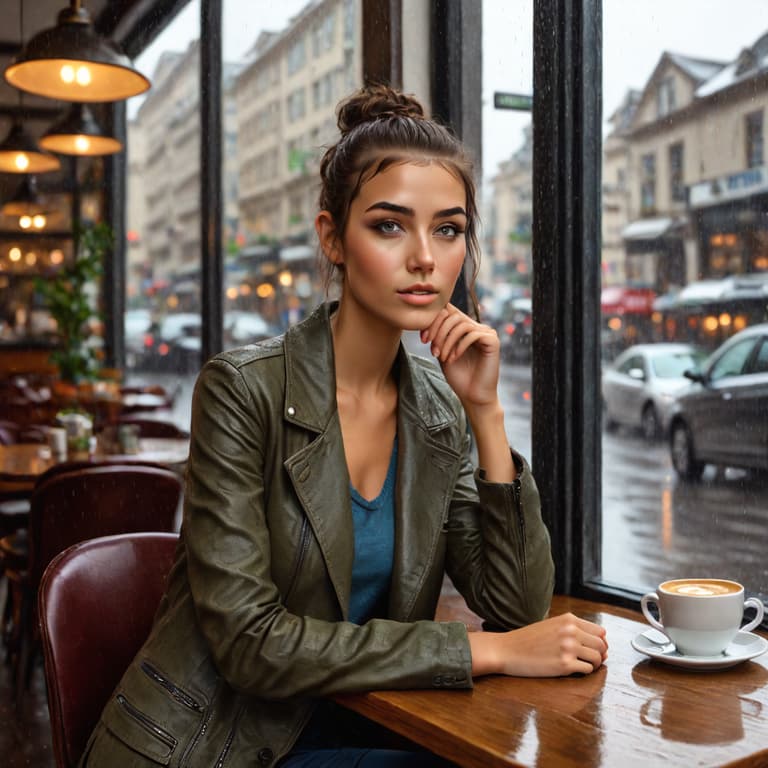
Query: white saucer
{"type": "Point", "coordinates": [745, 646]}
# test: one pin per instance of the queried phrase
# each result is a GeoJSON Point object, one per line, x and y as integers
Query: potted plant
{"type": "Point", "coordinates": [67, 299]}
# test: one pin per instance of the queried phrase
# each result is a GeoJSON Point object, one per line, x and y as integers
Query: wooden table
{"type": "Point", "coordinates": [632, 712]}
{"type": "Point", "coordinates": [21, 464]}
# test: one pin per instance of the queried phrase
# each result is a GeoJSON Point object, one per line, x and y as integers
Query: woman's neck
{"type": "Point", "coordinates": [364, 352]}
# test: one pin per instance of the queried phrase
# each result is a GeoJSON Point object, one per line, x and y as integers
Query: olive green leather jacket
{"type": "Point", "coordinates": [253, 626]}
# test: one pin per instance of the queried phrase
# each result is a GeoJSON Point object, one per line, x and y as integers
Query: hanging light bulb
{"type": "Point", "coordinates": [72, 63]}
{"type": "Point", "coordinates": [78, 133]}
{"type": "Point", "coordinates": [19, 153]}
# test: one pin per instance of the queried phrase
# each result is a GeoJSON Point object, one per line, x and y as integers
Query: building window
{"type": "Point", "coordinates": [295, 105]}
{"type": "Point", "coordinates": [754, 125]}
{"type": "Point", "coordinates": [296, 55]}
{"type": "Point", "coordinates": [676, 183]}
{"type": "Point", "coordinates": [648, 184]}
{"type": "Point", "coordinates": [665, 97]}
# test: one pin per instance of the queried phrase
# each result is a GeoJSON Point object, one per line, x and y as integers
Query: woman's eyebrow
{"type": "Point", "coordinates": [385, 206]}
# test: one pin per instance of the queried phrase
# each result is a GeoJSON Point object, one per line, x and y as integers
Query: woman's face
{"type": "Point", "coordinates": [404, 245]}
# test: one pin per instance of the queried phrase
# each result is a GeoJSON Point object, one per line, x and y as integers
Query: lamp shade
{"type": "Point", "coordinates": [78, 133]}
{"type": "Point", "coordinates": [25, 201]}
{"type": "Point", "coordinates": [72, 63]}
{"type": "Point", "coordinates": [19, 153]}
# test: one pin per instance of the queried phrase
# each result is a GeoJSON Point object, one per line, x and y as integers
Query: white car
{"type": "Point", "coordinates": [640, 387]}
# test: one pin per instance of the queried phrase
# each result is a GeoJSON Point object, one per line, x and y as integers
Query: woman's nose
{"type": "Point", "coordinates": [421, 258]}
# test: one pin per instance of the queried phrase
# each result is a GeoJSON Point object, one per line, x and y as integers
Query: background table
{"type": "Point", "coordinates": [22, 463]}
{"type": "Point", "coordinates": [631, 712]}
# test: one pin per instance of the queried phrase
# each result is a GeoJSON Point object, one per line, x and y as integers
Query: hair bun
{"type": "Point", "coordinates": [374, 102]}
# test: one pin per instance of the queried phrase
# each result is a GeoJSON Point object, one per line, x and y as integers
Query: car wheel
{"type": "Point", "coordinates": [683, 454]}
{"type": "Point", "coordinates": [649, 422]}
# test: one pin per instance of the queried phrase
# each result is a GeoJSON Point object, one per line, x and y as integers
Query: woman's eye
{"type": "Point", "coordinates": [448, 230]}
{"type": "Point", "coordinates": [388, 227]}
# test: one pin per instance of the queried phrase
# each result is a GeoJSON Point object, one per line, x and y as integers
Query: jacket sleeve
{"type": "Point", "coordinates": [498, 554]}
{"type": "Point", "coordinates": [258, 646]}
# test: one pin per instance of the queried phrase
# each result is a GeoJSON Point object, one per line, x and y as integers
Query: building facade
{"type": "Point", "coordinates": [694, 169]}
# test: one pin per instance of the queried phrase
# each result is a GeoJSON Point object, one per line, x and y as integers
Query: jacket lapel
{"type": "Point", "coordinates": [318, 469]}
{"type": "Point", "coordinates": [426, 473]}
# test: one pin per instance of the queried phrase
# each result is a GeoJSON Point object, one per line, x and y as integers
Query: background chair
{"type": "Point", "coordinates": [96, 604]}
{"type": "Point", "coordinates": [69, 507]}
{"type": "Point", "coordinates": [149, 427]}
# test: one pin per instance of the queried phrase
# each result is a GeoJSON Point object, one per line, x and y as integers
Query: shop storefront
{"type": "Point", "coordinates": [730, 215]}
{"type": "Point", "coordinates": [655, 252]}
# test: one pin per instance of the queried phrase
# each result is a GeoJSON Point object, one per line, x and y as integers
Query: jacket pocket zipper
{"type": "Point", "coordinates": [178, 695]}
{"type": "Point", "coordinates": [146, 722]}
{"type": "Point", "coordinates": [228, 743]}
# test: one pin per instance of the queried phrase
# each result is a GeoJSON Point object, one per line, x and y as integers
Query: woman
{"type": "Point", "coordinates": [329, 489]}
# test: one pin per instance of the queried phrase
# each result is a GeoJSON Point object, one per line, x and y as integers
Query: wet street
{"type": "Point", "coordinates": [654, 526]}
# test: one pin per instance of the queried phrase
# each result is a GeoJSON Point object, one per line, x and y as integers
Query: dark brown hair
{"type": "Point", "coordinates": [379, 127]}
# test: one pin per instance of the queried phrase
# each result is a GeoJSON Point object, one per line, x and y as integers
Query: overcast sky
{"type": "Point", "coordinates": [634, 36]}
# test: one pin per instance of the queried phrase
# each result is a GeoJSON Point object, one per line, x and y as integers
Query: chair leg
{"type": "Point", "coordinates": [26, 654]}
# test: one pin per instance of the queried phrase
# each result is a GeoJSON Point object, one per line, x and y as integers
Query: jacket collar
{"type": "Point", "coordinates": [310, 383]}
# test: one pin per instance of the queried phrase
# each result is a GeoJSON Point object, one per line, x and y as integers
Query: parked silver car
{"type": "Point", "coordinates": [640, 386]}
{"type": "Point", "coordinates": [723, 418]}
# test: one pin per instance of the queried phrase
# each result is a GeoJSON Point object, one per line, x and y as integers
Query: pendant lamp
{"type": "Point", "coordinates": [19, 153]}
{"type": "Point", "coordinates": [71, 62]}
{"type": "Point", "coordinates": [78, 133]}
{"type": "Point", "coordinates": [25, 201]}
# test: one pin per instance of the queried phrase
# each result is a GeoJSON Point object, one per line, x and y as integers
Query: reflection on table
{"type": "Point", "coordinates": [632, 712]}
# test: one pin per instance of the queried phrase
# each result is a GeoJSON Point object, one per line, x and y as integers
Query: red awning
{"type": "Point", "coordinates": [616, 300]}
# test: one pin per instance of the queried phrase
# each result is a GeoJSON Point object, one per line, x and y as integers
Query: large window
{"type": "Point", "coordinates": [662, 517]}
{"type": "Point", "coordinates": [163, 254]}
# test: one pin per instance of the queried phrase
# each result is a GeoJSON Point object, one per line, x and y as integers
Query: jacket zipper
{"type": "Point", "coordinates": [303, 548]}
{"type": "Point", "coordinates": [146, 722]}
{"type": "Point", "coordinates": [181, 696]}
{"type": "Point", "coordinates": [228, 743]}
{"type": "Point", "coordinates": [516, 493]}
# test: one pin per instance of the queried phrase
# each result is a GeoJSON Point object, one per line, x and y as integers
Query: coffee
{"type": "Point", "coordinates": [701, 616]}
{"type": "Point", "coordinates": [700, 587]}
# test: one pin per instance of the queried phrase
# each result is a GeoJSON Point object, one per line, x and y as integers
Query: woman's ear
{"type": "Point", "coordinates": [329, 242]}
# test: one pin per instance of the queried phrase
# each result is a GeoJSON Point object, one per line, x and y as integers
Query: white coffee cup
{"type": "Point", "coordinates": [57, 442]}
{"type": "Point", "coordinates": [701, 616]}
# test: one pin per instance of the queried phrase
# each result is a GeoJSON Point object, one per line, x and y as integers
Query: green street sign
{"type": "Point", "coordinates": [518, 101]}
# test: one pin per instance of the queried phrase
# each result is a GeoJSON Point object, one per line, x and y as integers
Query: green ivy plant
{"type": "Point", "coordinates": [66, 299]}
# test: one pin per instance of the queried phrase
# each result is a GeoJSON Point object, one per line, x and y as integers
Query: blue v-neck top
{"type": "Point", "coordinates": [374, 535]}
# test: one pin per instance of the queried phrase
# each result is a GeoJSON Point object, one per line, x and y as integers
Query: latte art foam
{"type": "Point", "coordinates": [700, 588]}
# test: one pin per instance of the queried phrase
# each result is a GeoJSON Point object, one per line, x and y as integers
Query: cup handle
{"type": "Point", "coordinates": [646, 716]}
{"type": "Point", "coordinates": [652, 597]}
{"type": "Point", "coordinates": [757, 604]}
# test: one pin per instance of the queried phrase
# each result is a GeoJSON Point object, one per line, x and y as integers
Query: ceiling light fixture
{"type": "Point", "coordinates": [19, 153]}
{"type": "Point", "coordinates": [78, 133]}
{"type": "Point", "coordinates": [72, 63]}
{"type": "Point", "coordinates": [25, 201]}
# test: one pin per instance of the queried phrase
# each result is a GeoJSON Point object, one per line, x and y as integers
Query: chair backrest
{"type": "Point", "coordinates": [154, 427]}
{"type": "Point", "coordinates": [96, 603]}
{"type": "Point", "coordinates": [100, 500]}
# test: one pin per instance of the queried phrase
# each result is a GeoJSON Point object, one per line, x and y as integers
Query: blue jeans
{"type": "Point", "coordinates": [352, 757]}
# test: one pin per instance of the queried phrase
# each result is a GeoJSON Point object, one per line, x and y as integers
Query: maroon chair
{"type": "Point", "coordinates": [70, 507]}
{"type": "Point", "coordinates": [149, 427]}
{"type": "Point", "coordinates": [96, 604]}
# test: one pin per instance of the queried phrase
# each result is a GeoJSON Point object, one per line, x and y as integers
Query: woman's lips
{"type": "Point", "coordinates": [418, 296]}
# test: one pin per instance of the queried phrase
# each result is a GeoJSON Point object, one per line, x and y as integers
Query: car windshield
{"type": "Point", "coordinates": [675, 365]}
